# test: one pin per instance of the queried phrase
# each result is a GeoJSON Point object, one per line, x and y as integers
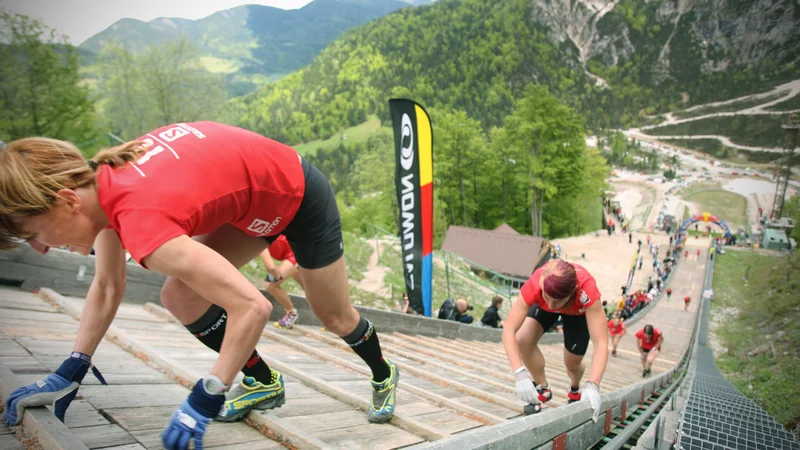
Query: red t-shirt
{"type": "Point", "coordinates": [687, 299]}
{"type": "Point", "coordinates": [281, 250]}
{"type": "Point", "coordinates": [196, 177]}
{"type": "Point", "coordinates": [649, 343]}
{"type": "Point", "coordinates": [588, 293]}
{"type": "Point", "coordinates": [616, 329]}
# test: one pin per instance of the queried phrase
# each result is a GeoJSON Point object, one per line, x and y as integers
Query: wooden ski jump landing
{"type": "Point", "coordinates": [447, 386]}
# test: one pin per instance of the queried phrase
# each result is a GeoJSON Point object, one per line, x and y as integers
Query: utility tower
{"type": "Point", "coordinates": [791, 127]}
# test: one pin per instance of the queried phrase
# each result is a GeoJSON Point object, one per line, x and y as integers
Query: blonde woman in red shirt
{"type": "Point", "coordinates": [194, 202]}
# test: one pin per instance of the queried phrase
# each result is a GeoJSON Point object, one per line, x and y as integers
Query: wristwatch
{"type": "Point", "coordinates": [213, 385]}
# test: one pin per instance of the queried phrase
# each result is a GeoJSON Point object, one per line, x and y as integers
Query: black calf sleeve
{"type": "Point", "coordinates": [364, 341]}
{"type": "Point", "coordinates": [210, 330]}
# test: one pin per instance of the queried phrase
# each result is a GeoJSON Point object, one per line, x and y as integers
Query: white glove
{"type": "Point", "coordinates": [591, 393]}
{"type": "Point", "coordinates": [525, 388]}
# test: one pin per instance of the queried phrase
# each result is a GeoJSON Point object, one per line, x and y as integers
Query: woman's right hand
{"type": "Point", "coordinates": [276, 274]}
{"type": "Point", "coordinates": [525, 388]}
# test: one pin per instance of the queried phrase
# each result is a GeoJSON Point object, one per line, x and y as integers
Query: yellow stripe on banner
{"type": "Point", "coordinates": [425, 144]}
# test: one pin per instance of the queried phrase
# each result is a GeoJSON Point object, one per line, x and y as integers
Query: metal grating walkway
{"type": "Point", "coordinates": [718, 416]}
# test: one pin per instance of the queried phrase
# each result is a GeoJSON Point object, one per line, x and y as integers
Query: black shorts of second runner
{"type": "Point", "coordinates": [315, 233]}
{"type": "Point", "coordinates": [576, 332]}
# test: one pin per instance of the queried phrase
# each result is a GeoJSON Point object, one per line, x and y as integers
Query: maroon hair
{"type": "Point", "coordinates": [559, 279]}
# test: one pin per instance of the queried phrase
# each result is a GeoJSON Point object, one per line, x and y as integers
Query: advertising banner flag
{"type": "Point", "coordinates": [413, 137]}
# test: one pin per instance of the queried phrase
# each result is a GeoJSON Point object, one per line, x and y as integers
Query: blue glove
{"type": "Point", "coordinates": [59, 388]}
{"type": "Point", "coordinates": [190, 420]}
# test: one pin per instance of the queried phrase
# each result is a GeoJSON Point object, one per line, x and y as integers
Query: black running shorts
{"type": "Point", "coordinates": [576, 332]}
{"type": "Point", "coordinates": [315, 233]}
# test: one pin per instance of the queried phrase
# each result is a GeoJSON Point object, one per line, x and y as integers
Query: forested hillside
{"type": "Point", "coordinates": [478, 56]}
{"type": "Point", "coordinates": [252, 44]}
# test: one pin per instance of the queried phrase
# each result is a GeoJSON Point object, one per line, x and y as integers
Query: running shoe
{"type": "Point", "coordinates": [288, 320]}
{"type": "Point", "coordinates": [251, 394]}
{"type": "Point", "coordinates": [544, 393]}
{"type": "Point", "coordinates": [383, 396]}
{"type": "Point", "coordinates": [574, 395]}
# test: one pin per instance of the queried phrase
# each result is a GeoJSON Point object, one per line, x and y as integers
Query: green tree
{"type": "Point", "coordinates": [41, 93]}
{"type": "Point", "coordinates": [459, 157]}
{"type": "Point", "coordinates": [551, 135]}
{"type": "Point", "coordinates": [163, 85]}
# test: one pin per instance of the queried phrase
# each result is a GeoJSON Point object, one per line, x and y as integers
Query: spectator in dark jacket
{"type": "Point", "coordinates": [491, 318]}
{"type": "Point", "coordinates": [455, 310]}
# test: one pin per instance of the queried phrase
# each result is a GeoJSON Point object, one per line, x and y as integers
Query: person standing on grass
{"type": "Point", "coordinates": [568, 290]}
{"type": "Point", "coordinates": [649, 340]}
{"type": "Point", "coordinates": [276, 275]}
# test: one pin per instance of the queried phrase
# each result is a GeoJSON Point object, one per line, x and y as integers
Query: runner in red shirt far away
{"type": "Point", "coordinates": [276, 276]}
{"type": "Point", "coordinates": [649, 340]}
{"type": "Point", "coordinates": [616, 328]}
{"type": "Point", "coordinates": [686, 301]}
{"type": "Point", "coordinates": [568, 290]}
{"type": "Point", "coordinates": [194, 202]}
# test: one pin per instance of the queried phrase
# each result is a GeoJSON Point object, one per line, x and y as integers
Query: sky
{"type": "Point", "coordinates": [81, 19]}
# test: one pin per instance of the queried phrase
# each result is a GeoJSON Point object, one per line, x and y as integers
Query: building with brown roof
{"type": "Point", "coordinates": [502, 250]}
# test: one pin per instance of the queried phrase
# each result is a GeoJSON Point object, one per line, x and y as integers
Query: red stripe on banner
{"type": "Point", "coordinates": [426, 198]}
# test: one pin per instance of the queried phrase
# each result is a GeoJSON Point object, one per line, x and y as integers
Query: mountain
{"type": "Point", "coordinates": [252, 43]}
{"type": "Point", "coordinates": [616, 62]}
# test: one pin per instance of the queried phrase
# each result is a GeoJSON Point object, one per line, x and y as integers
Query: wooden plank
{"type": "Point", "coordinates": [4, 428]}
{"type": "Point", "coordinates": [136, 446]}
{"type": "Point", "coordinates": [37, 316]}
{"type": "Point", "coordinates": [9, 442]}
{"type": "Point", "coordinates": [371, 436]}
{"type": "Point", "coordinates": [22, 363]}
{"type": "Point", "coordinates": [9, 347]}
{"type": "Point", "coordinates": [218, 434]}
{"type": "Point", "coordinates": [104, 436]}
{"type": "Point", "coordinates": [79, 419]}
{"type": "Point", "coordinates": [437, 399]}
{"type": "Point", "coordinates": [133, 396]}
{"type": "Point", "coordinates": [267, 424]}
{"type": "Point", "coordinates": [311, 406]}
{"type": "Point", "coordinates": [263, 444]}
{"type": "Point", "coordinates": [319, 423]}
{"type": "Point", "coordinates": [448, 421]}
{"type": "Point", "coordinates": [28, 302]}
{"type": "Point", "coordinates": [141, 418]}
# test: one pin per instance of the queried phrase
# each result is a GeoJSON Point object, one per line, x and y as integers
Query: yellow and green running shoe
{"type": "Point", "coordinates": [251, 394]}
{"type": "Point", "coordinates": [383, 396]}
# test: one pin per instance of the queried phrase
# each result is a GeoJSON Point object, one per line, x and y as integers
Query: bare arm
{"type": "Point", "coordinates": [212, 276]}
{"type": "Point", "coordinates": [598, 331]}
{"type": "Point", "coordinates": [516, 316]}
{"type": "Point", "coordinates": [267, 258]}
{"type": "Point", "coordinates": [105, 293]}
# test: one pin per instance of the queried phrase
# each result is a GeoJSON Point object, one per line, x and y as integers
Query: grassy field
{"type": "Point", "coordinates": [757, 329]}
{"type": "Point", "coordinates": [699, 187]}
{"type": "Point", "coordinates": [755, 130]}
{"type": "Point", "coordinates": [735, 106]}
{"type": "Point", "coordinates": [459, 288]}
{"type": "Point", "coordinates": [358, 133]}
{"type": "Point", "coordinates": [717, 150]}
{"type": "Point", "coordinates": [730, 207]}
{"type": "Point", "coordinates": [789, 105]}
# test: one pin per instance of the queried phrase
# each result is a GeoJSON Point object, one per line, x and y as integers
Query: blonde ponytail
{"type": "Point", "coordinates": [120, 155]}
